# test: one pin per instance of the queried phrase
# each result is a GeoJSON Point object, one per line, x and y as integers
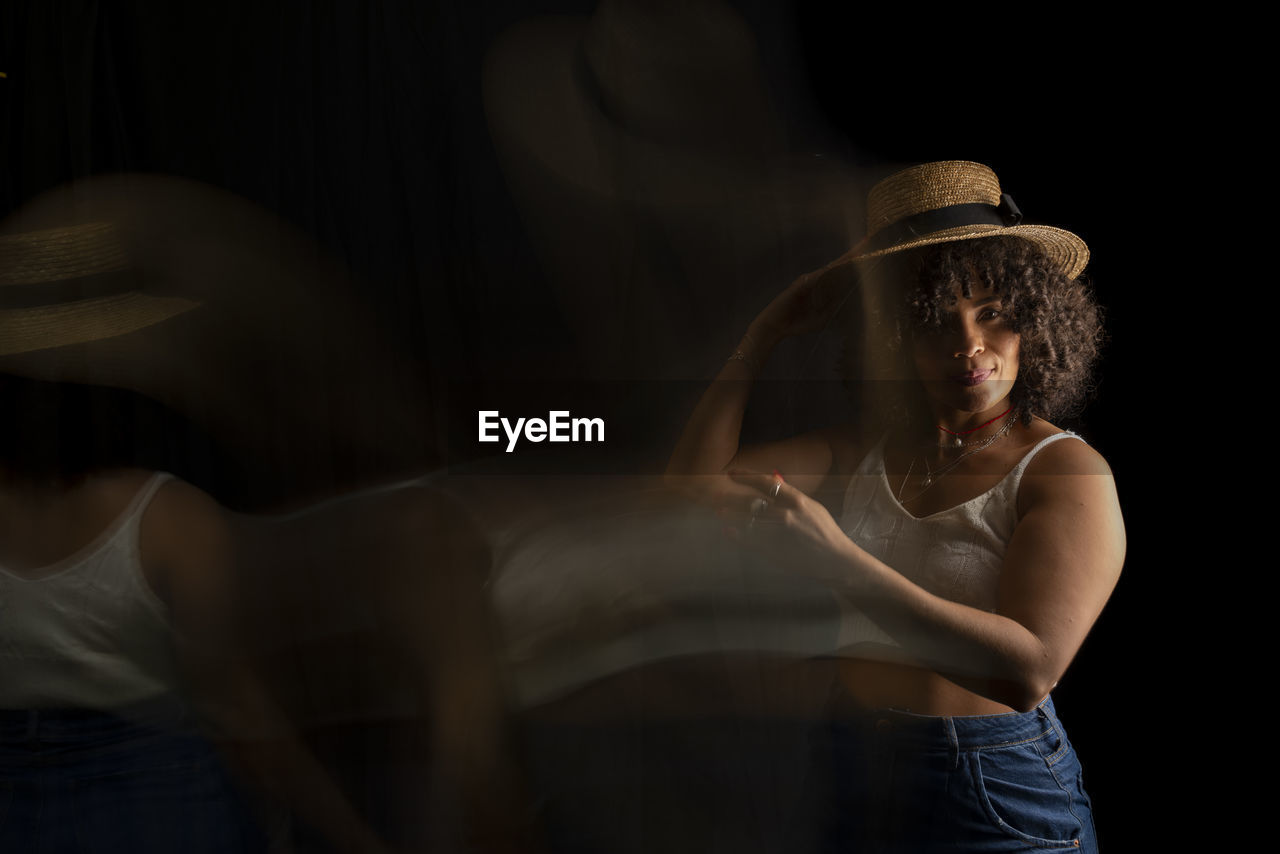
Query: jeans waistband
{"type": "Point", "coordinates": [164, 713]}
{"type": "Point", "coordinates": [957, 732]}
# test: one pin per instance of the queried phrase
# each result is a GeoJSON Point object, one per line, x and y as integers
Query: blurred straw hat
{"type": "Point", "coordinates": [643, 146]}
{"type": "Point", "coordinates": [72, 285]}
{"type": "Point", "coordinates": [955, 200]}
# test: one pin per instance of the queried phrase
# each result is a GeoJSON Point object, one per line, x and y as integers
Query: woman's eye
{"type": "Point", "coordinates": [990, 314]}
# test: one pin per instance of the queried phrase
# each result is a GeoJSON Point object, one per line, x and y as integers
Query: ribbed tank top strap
{"type": "Point", "coordinates": [142, 499]}
{"type": "Point", "coordinates": [873, 462]}
{"type": "Point", "coordinates": [1014, 477]}
{"type": "Point", "coordinates": [129, 529]}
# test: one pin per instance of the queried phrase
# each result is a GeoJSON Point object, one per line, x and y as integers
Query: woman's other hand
{"type": "Point", "coordinates": [798, 531]}
{"type": "Point", "coordinates": [719, 492]}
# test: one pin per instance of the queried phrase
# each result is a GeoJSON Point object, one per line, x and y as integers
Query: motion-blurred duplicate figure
{"type": "Point", "coordinates": [119, 648]}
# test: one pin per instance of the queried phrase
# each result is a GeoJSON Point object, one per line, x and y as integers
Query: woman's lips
{"type": "Point", "coordinates": [973, 377]}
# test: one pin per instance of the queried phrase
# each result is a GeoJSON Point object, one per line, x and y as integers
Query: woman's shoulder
{"type": "Point", "coordinates": [180, 510]}
{"type": "Point", "coordinates": [1061, 452]}
{"type": "Point", "coordinates": [1065, 470]}
{"type": "Point", "coordinates": [181, 519]}
{"type": "Point", "coordinates": [160, 493]}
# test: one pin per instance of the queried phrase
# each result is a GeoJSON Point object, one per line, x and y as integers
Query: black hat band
{"type": "Point", "coordinates": [921, 225]}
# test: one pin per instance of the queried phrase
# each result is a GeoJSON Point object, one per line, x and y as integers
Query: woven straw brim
{"type": "Point", "coordinates": [1065, 250]}
{"type": "Point", "coordinates": [59, 254]}
{"type": "Point", "coordinates": [23, 330]}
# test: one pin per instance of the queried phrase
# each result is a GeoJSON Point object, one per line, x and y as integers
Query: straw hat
{"type": "Point", "coordinates": [70, 285]}
{"type": "Point", "coordinates": [954, 200]}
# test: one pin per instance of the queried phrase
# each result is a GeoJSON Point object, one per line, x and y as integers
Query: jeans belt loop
{"type": "Point", "coordinates": [1050, 720]}
{"type": "Point", "coordinates": [953, 742]}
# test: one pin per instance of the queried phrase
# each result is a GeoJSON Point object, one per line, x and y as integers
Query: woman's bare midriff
{"type": "Point", "coordinates": [870, 684]}
{"type": "Point", "coordinates": [761, 685]}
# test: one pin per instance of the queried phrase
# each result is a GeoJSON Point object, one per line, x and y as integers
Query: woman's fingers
{"type": "Point", "coordinates": [772, 486]}
{"type": "Point", "coordinates": [769, 496]}
{"type": "Point", "coordinates": [739, 506]}
{"type": "Point", "coordinates": [743, 498]}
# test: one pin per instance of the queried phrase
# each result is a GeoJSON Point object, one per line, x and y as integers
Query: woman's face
{"type": "Point", "coordinates": [969, 364]}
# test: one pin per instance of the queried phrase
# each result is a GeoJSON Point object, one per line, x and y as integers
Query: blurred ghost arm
{"type": "Point", "coordinates": [371, 611]}
{"type": "Point", "coordinates": [186, 550]}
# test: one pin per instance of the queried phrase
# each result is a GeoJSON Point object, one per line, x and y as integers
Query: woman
{"type": "Point", "coordinates": [975, 543]}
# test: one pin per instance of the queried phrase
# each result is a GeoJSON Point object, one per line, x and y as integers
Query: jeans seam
{"type": "Point", "coordinates": [1003, 744]}
{"type": "Point", "coordinates": [1052, 765]}
{"type": "Point", "coordinates": [1063, 750]}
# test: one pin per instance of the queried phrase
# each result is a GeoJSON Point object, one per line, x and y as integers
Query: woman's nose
{"type": "Point", "coordinates": [968, 343]}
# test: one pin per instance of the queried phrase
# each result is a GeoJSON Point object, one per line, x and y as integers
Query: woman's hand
{"type": "Point", "coordinates": [797, 530]}
{"type": "Point", "coordinates": [807, 304]}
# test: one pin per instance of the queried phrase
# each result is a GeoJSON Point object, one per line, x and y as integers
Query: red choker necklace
{"type": "Point", "coordinates": [958, 437]}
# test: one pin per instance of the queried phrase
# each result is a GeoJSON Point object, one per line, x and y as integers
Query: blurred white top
{"type": "Point", "coordinates": [87, 631]}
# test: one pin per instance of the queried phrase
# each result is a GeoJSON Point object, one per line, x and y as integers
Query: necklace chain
{"type": "Point", "coordinates": [958, 435]}
{"type": "Point", "coordinates": [932, 476]}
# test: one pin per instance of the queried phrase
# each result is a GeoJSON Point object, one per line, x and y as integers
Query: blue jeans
{"type": "Point", "coordinates": [75, 780]}
{"type": "Point", "coordinates": [898, 782]}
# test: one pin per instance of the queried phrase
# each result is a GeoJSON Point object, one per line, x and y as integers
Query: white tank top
{"type": "Point", "coordinates": [87, 631]}
{"type": "Point", "coordinates": [955, 554]}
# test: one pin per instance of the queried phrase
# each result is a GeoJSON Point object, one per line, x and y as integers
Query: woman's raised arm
{"type": "Point", "coordinates": [710, 446]}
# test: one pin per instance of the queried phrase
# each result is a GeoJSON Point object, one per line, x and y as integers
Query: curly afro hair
{"type": "Point", "coordinates": [1057, 319]}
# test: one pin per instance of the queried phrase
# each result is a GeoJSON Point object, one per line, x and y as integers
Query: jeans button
{"type": "Point", "coordinates": [884, 725]}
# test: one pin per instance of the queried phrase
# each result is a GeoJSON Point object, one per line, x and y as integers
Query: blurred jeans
{"type": "Point", "coordinates": [139, 780]}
